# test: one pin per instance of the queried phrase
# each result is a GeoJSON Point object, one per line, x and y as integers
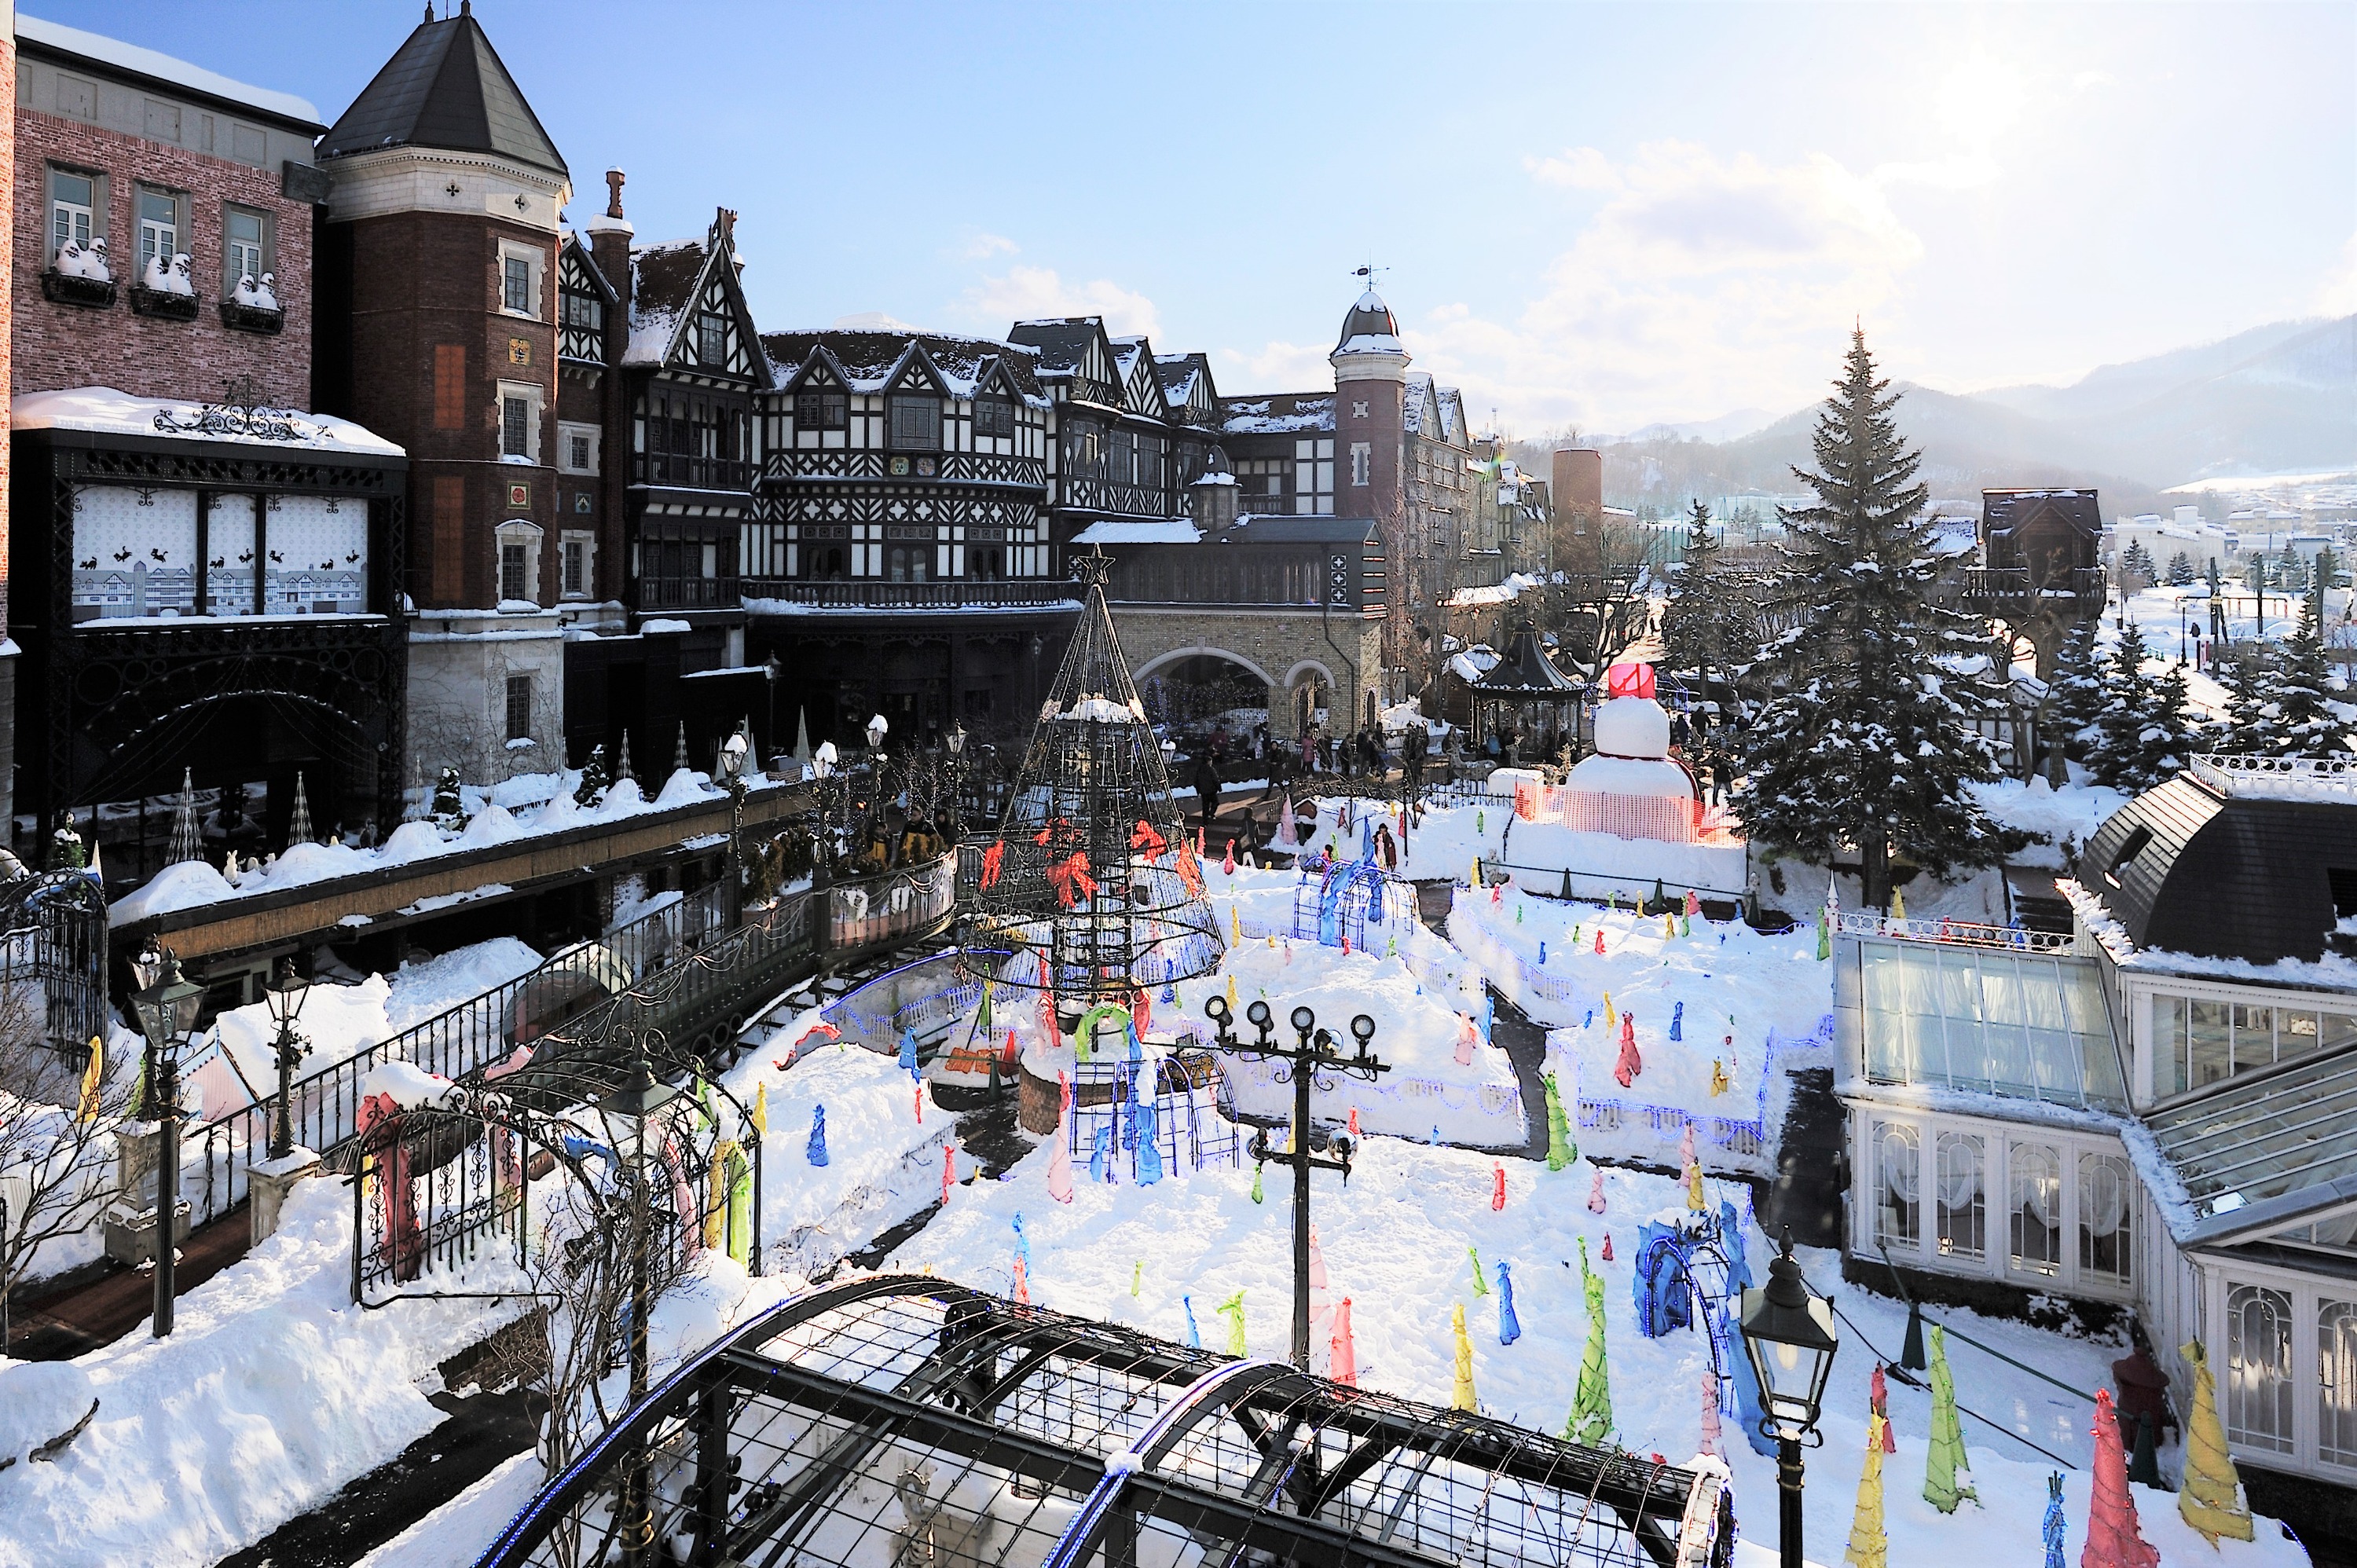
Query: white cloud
{"type": "Point", "coordinates": [1021, 293]}
{"type": "Point", "coordinates": [980, 246]}
{"type": "Point", "coordinates": [1278, 367]}
{"type": "Point", "coordinates": [1702, 284]}
{"type": "Point", "coordinates": [2339, 295]}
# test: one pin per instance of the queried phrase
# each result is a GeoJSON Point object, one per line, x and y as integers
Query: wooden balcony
{"type": "Point", "coordinates": [2007, 589]}
{"type": "Point", "coordinates": [1024, 593]}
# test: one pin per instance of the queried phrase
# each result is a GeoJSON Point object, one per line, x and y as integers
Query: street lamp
{"type": "Point", "coordinates": [733, 752]}
{"type": "Point", "coordinates": [1788, 1333]}
{"type": "Point", "coordinates": [284, 995]}
{"type": "Point", "coordinates": [822, 763]}
{"type": "Point", "coordinates": [167, 1005]}
{"type": "Point", "coordinates": [877, 729]}
{"type": "Point", "coordinates": [770, 671]}
{"type": "Point", "coordinates": [1313, 1059]}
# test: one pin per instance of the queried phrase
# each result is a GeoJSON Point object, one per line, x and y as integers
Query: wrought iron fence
{"type": "Point", "coordinates": [53, 951]}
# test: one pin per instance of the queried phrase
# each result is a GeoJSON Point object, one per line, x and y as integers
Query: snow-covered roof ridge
{"type": "Point", "coordinates": [2330, 972]}
{"type": "Point", "coordinates": [1277, 412]}
{"type": "Point", "coordinates": [2332, 780]}
{"type": "Point", "coordinates": [99, 50]}
{"type": "Point", "coordinates": [105, 411]}
{"type": "Point", "coordinates": [868, 361]}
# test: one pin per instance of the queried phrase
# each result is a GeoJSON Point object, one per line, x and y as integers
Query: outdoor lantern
{"type": "Point", "coordinates": [167, 1006]}
{"type": "Point", "coordinates": [732, 756]}
{"type": "Point", "coordinates": [877, 729]}
{"type": "Point", "coordinates": [823, 759]}
{"type": "Point", "coordinates": [285, 994]}
{"type": "Point", "coordinates": [1787, 1331]}
{"type": "Point", "coordinates": [957, 740]}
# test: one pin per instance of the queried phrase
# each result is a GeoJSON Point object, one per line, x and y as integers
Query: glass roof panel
{"type": "Point", "coordinates": [2266, 1137]}
{"type": "Point", "coordinates": [2029, 1025]}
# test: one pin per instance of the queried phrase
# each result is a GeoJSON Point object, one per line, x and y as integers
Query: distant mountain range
{"type": "Point", "coordinates": [2276, 398]}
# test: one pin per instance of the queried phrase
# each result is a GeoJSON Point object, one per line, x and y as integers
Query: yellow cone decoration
{"type": "Point", "coordinates": [1719, 1078]}
{"type": "Point", "coordinates": [1609, 1019]}
{"type": "Point", "coordinates": [761, 1117]}
{"type": "Point", "coordinates": [1897, 905]}
{"type": "Point", "coordinates": [2211, 1498]}
{"type": "Point", "coordinates": [1231, 992]}
{"type": "Point", "coordinates": [91, 1079]}
{"type": "Point", "coordinates": [1694, 1200]}
{"type": "Point", "coordinates": [1461, 1398]}
{"type": "Point", "coordinates": [1235, 931]}
{"type": "Point", "coordinates": [1869, 1544]}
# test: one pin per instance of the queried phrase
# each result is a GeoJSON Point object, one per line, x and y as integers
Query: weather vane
{"type": "Point", "coordinates": [1369, 272]}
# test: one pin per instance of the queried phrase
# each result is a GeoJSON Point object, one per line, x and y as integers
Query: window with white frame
{"type": "Point", "coordinates": [1898, 1185]}
{"type": "Point", "coordinates": [160, 222]}
{"type": "Point", "coordinates": [577, 447]}
{"type": "Point", "coordinates": [518, 560]}
{"type": "Point", "coordinates": [1959, 1207]}
{"type": "Point", "coordinates": [2034, 1208]}
{"type": "Point", "coordinates": [2258, 1388]}
{"type": "Point", "coordinates": [2336, 1363]}
{"type": "Point", "coordinates": [77, 210]}
{"type": "Point", "coordinates": [245, 246]}
{"type": "Point", "coordinates": [519, 407]}
{"type": "Point", "coordinates": [576, 566]}
{"type": "Point", "coordinates": [520, 278]}
{"type": "Point", "coordinates": [2200, 1040]}
{"type": "Point", "coordinates": [1313, 476]}
{"type": "Point", "coordinates": [2106, 1204]}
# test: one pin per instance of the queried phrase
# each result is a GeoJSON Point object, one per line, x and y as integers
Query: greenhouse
{"type": "Point", "coordinates": [903, 1419]}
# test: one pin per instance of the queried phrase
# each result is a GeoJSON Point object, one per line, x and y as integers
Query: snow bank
{"type": "Point", "coordinates": [433, 986]}
{"type": "Point", "coordinates": [1394, 1241]}
{"type": "Point", "coordinates": [2074, 813]}
{"type": "Point", "coordinates": [182, 885]}
{"type": "Point", "coordinates": [1538, 853]}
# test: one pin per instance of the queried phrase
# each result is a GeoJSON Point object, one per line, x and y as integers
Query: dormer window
{"type": "Point", "coordinates": [993, 416]}
{"type": "Point", "coordinates": [711, 340]}
{"type": "Point", "coordinates": [916, 422]}
{"type": "Point", "coordinates": [821, 410]}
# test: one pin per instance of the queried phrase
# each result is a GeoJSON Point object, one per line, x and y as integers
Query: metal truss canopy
{"type": "Point", "coordinates": [901, 1420]}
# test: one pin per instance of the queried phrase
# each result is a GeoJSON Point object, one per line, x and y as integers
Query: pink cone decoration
{"type": "Point", "coordinates": [1497, 1190]}
{"type": "Point", "coordinates": [1709, 1413]}
{"type": "Point", "coordinates": [1342, 1355]}
{"type": "Point", "coordinates": [1354, 1121]}
{"type": "Point", "coordinates": [1465, 1035]}
{"type": "Point", "coordinates": [1022, 1280]}
{"type": "Point", "coordinates": [1595, 1195]}
{"type": "Point", "coordinates": [1694, 904]}
{"type": "Point", "coordinates": [1608, 1246]}
{"type": "Point", "coordinates": [949, 1172]}
{"type": "Point", "coordinates": [1685, 1147]}
{"type": "Point", "coordinates": [1625, 1070]}
{"type": "Point", "coordinates": [1600, 941]}
{"type": "Point", "coordinates": [1059, 1157]}
{"type": "Point", "coordinates": [2113, 1538]}
{"type": "Point", "coordinates": [1228, 861]}
{"type": "Point", "coordinates": [1879, 1400]}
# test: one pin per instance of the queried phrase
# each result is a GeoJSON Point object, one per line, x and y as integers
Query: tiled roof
{"type": "Point", "coordinates": [444, 87]}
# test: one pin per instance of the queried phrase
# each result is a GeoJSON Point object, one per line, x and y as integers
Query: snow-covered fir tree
{"type": "Point", "coordinates": [594, 777]}
{"type": "Point", "coordinates": [1707, 627]}
{"type": "Point", "coordinates": [2146, 731]}
{"type": "Point", "coordinates": [1866, 741]}
{"type": "Point", "coordinates": [449, 808]}
{"type": "Point", "coordinates": [2075, 701]}
{"type": "Point", "coordinates": [2311, 713]}
{"type": "Point", "coordinates": [2180, 569]}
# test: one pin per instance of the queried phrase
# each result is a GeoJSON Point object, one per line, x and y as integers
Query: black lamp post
{"type": "Point", "coordinates": [285, 994]}
{"type": "Point", "coordinates": [1313, 1059]}
{"type": "Point", "coordinates": [1788, 1333]}
{"type": "Point", "coordinates": [733, 752]}
{"type": "Point", "coordinates": [823, 787]}
{"type": "Point", "coordinates": [167, 1005]}
{"type": "Point", "coordinates": [954, 827]}
{"type": "Point", "coordinates": [770, 671]}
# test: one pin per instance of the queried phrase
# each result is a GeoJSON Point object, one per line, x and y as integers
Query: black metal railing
{"type": "Point", "coordinates": [695, 473]}
{"type": "Point", "coordinates": [687, 593]}
{"type": "Point", "coordinates": [1013, 594]}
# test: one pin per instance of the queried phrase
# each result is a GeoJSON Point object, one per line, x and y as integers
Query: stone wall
{"type": "Point", "coordinates": [1284, 648]}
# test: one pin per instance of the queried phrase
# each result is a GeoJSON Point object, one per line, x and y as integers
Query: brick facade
{"type": "Point", "coordinates": [424, 284]}
{"type": "Point", "coordinates": [58, 345]}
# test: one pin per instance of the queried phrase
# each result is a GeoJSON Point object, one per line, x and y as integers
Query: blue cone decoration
{"type": "Point", "coordinates": [1510, 1327]}
{"type": "Point", "coordinates": [1022, 1243]}
{"type": "Point", "coordinates": [1101, 1154]}
{"type": "Point", "coordinates": [1137, 1051]}
{"type": "Point", "coordinates": [818, 1135]}
{"type": "Point", "coordinates": [1542, 955]}
{"type": "Point", "coordinates": [908, 1051]}
{"type": "Point", "coordinates": [1589, 1021]}
{"type": "Point", "coordinates": [1436, 1135]}
{"type": "Point", "coordinates": [1169, 995]}
{"type": "Point", "coordinates": [1149, 1153]}
{"type": "Point", "coordinates": [1678, 1022]}
{"type": "Point", "coordinates": [579, 1148]}
{"type": "Point", "coordinates": [1194, 1334]}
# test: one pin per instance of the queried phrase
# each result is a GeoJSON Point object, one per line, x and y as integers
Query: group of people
{"type": "Point", "coordinates": [1359, 754]}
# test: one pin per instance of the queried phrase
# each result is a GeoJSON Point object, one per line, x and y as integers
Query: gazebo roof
{"type": "Point", "coordinates": [1526, 672]}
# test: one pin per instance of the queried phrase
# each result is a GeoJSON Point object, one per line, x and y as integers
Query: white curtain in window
{"type": "Point", "coordinates": [1898, 1152]}
{"type": "Point", "coordinates": [1959, 1159]}
{"type": "Point", "coordinates": [2103, 1194]}
{"type": "Point", "coordinates": [2034, 1182]}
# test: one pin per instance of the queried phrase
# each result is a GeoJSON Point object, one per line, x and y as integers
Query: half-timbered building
{"type": "Point", "coordinates": [901, 559]}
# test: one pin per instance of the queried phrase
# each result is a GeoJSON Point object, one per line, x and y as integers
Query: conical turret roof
{"type": "Point", "coordinates": [444, 87]}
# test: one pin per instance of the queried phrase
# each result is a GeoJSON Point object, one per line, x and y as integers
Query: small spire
{"type": "Point", "coordinates": [679, 762]}
{"type": "Point", "coordinates": [622, 769]}
{"type": "Point", "coordinates": [184, 844]}
{"type": "Point", "coordinates": [299, 826]}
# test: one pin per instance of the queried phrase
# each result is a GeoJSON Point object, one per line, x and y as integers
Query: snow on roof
{"type": "Point", "coordinates": [106, 412]}
{"type": "Point", "coordinates": [1372, 343]}
{"type": "Point", "coordinates": [102, 50]}
{"type": "Point", "coordinates": [2330, 972]}
{"type": "Point", "coordinates": [1279, 411]}
{"type": "Point", "coordinates": [1156, 531]}
{"type": "Point", "coordinates": [1515, 586]}
{"type": "Point", "coordinates": [663, 276]}
{"type": "Point", "coordinates": [866, 360]}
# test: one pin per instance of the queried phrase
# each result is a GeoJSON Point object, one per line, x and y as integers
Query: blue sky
{"type": "Point", "coordinates": [1602, 215]}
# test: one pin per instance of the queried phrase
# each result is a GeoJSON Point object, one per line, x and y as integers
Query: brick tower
{"type": "Point", "coordinates": [1370, 424]}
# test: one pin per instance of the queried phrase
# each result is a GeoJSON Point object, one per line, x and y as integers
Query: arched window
{"type": "Point", "coordinates": [1898, 1185]}
{"type": "Point", "coordinates": [2258, 1367]}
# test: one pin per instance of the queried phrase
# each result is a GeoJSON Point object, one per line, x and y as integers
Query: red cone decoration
{"type": "Point", "coordinates": [1879, 1400]}
{"type": "Point", "coordinates": [1600, 941]}
{"type": "Point", "coordinates": [2113, 1538]}
{"type": "Point", "coordinates": [1228, 861]}
{"type": "Point", "coordinates": [1625, 1070]}
{"type": "Point", "coordinates": [1498, 1192]}
{"type": "Point", "coordinates": [1608, 1246]}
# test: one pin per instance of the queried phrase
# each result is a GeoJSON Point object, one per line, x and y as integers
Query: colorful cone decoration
{"type": "Point", "coordinates": [1718, 1079]}
{"type": "Point", "coordinates": [1710, 1437]}
{"type": "Point", "coordinates": [761, 1116]}
{"type": "Point", "coordinates": [949, 1172]}
{"type": "Point", "coordinates": [2054, 1526]}
{"type": "Point", "coordinates": [1509, 1326]}
{"type": "Point", "coordinates": [1481, 1285]}
{"type": "Point", "coordinates": [1879, 1400]}
{"type": "Point", "coordinates": [1498, 1184]}
{"type": "Point", "coordinates": [1625, 1070]}
{"type": "Point", "coordinates": [1228, 860]}
{"type": "Point", "coordinates": [1694, 904]}
{"type": "Point", "coordinates": [1686, 1146]}
{"type": "Point", "coordinates": [2211, 1500]}
{"type": "Point", "coordinates": [1232, 1309]}
{"type": "Point", "coordinates": [1611, 1019]}
{"type": "Point", "coordinates": [1194, 1334]}
{"type": "Point", "coordinates": [1342, 1353]}
{"type": "Point", "coordinates": [1460, 1396]}
{"type": "Point", "coordinates": [1022, 1290]}
{"type": "Point", "coordinates": [1824, 937]}
{"type": "Point", "coordinates": [1466, 1036]}
{"type": "Point", "coordinates": [1596, 1194]}
{"type": "Point", "coordinates": [1678, 1022]}
{"type": "Point", "coordinates": [1256, 1196]}
{"type": "Point", "coordinates": [1608, 1246]}
{"type": "Point", "coordinates": [1600, 941]}
{"type": "Point", "coordinates": [1947, 1474]}
{"type": "Point", "coordinates": [2113, 1538]}
{"type": "Point", "coordinates": [92, 1078]}
{"type": "Point", "coordinates": [1897, 905]}
{"type": "Point", "coordinates": [1696, 1202]}
{"type": "Point", "coordinates": [1354, 1121]}
{"type": "Point", "coordinates": [908, 1051]}
{"type": "Point", "coordinates": [817, 1148]}
{"type": "Point", "coordinates": [1059, 1153]}
{"type": "Point", "coordinates": [1869, 1543]}
{"type": "Point", "coordinates": [1591, 1401]}
{"type": "Point", "coordinates": [1561, 1150]}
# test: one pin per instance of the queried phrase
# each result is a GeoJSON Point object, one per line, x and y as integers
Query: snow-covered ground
{"type": "Point", "coordinates": [1394, 1241]}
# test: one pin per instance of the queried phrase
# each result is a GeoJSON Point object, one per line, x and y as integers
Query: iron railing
{"type": "Point", "coordinates": [687, 593]}
{"type": "Point", "coordinates": [2012, 585]}
{"type": "Point", "coordinates": [963, 594]}
{"type": "Point", "coordinates": [1967, 933]}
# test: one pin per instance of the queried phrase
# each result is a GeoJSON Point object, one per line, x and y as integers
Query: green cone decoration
{"type": "Point", "coordinates": [1232, 1309]}
{"type": "Point", "coordinates": [1561, 1150]}
{"type": "Point", "coordinates": [1256, 1196]}
{"type": "Point", "coordinates": [1480, 1287]}
{"type": "Point", "coordinates": [1591, 1403]}
{"type": "Point", "coordinates": [1945, 1458]}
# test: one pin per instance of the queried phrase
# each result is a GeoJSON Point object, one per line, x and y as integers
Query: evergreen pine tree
{"type": "Point", "coordinates": [2253, 717]}
{"type": "Point", "coordinates": [449, 808]}
{"type": "Point", "coordinates": [1866, 741]}
{"type": "Point", "coordinates": [594, 779]}
{"type": "Point", "coordinates": [1707, 627]}
{"type": "Point", "coordinates": [2128, 693]}
{"type": "Point", "coordinates": [2312, 722]}
{"type": "Point", "coordinates": [2180, 569]}
{"type": "Point", "coordinates": [2290, 571]}
{"type": "Point", "coordinates": [2077, 699]}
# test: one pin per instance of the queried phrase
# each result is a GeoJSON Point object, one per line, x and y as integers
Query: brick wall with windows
{"type": "Point", "coordinates": [215, 206]}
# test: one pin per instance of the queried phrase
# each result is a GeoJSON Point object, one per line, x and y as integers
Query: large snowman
{"type": "Point", "coordinates": [1633, 743]}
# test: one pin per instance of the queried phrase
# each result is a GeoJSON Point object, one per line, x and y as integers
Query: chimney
{"type": "Point", "coordinates": [609, 247]}
{"type": "Point", "coordinates": [1579, 487]}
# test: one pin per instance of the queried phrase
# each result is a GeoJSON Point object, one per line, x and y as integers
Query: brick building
{"type": "Point", "coordinates": [206, 577]}
{"type": "Point", "coordinates": [438, 277]}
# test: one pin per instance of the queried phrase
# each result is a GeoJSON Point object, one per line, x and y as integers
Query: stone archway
{"type": "Point", "coordinates": [1280, 646]}
{"type": "Point", "coordinates": [1187, 686]}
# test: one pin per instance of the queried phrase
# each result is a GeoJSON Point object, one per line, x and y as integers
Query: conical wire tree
{"type": "Point", "coordinates": [186, 844]}
{"type": "Point", "coordinates": [1090, 892]}
{"type": "Point", "coordinates": [299, 826]}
